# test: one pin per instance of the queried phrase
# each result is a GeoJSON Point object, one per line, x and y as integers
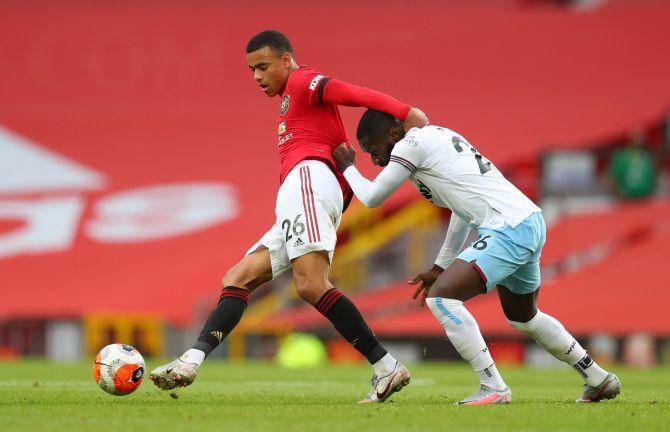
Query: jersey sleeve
{"type": "Point", "coordinates": [306, 85]}
{"type": "Point", "coordinates": [337, 92]}
{"type": "Point", "coordinates": [457, 233]}
{"type": "Point", "coordinates": [408, 152]}
{"type": "Point", "coordinates": [313, 83]}
{"type": "Point", "coordinates": [373, 193]}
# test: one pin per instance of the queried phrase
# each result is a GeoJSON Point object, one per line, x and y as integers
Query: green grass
{"type": "Point", "coordinates": [37, 395]}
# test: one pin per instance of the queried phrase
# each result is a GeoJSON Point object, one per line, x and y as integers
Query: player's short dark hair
{"type": "Point", "coordinates": [374, 123]}
{"type": "Point", "coordinates": [276, 40]}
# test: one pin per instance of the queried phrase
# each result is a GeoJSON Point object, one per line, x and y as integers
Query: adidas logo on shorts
{"type": "Point", "coordinates": [298, 242]}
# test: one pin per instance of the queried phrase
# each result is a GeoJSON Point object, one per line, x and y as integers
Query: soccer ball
{"type": "Point", "coordinates": [118, 369]}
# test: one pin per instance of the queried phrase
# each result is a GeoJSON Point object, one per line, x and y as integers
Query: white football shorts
{"type": "Point", "coordinates": [308, 211]}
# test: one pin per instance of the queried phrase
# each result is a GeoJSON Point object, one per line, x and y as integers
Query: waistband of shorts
{"type": "Point", "coordinates": [311, 162]}
{"type": "Point", "coordinates": [527, 221]}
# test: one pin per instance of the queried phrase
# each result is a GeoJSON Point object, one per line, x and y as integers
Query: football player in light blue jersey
{"type": "Point", "coordinates": [451, 173]}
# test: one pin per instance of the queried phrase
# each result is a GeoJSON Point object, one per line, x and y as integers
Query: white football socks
{"type": "Point", "coordinates": [193, 356]}
{"type": "Point", "coordinates": [384, 366]}
{"type": "Point", "coordinates": [463, 332]}
{"type": "Point", "coordinates": [490, 377]}
{"type": "Point", "coordinates": [553, 337]}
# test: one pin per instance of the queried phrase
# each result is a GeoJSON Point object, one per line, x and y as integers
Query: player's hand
{"type": "Point", "coordinates": [427, 280]}
{"type": "Point", "coordinates": [415, 118]}
{"type": "Point", "coordinates": [345, 156]}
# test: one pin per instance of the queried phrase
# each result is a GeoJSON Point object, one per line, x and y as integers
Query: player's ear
{"type": "Point", "coordinates": [395, 134]}
{"type": "Point", "coordinates": [286, 59]}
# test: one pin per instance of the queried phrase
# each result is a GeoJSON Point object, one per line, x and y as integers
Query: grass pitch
{"type": "Point", "coordinates": [227, 397]}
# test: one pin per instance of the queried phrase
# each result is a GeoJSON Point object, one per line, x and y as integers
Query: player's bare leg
{"type": "Point", "coordinates": [310, 273]}
{"type": "Point", "coordinates": [522, 313]}
{"type": "Point", "coordinates": [252, 271]}
{"type": "Point", "coordinates": [460, 282]}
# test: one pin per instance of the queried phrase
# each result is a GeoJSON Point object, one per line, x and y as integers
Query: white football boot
{"type": "Point", "coordinates": [608, 389]}
{"type": "Point", "coordinates": [384, 387]}
{"type": "Point", "coordinates": [175, 374]}
{"type": "Point", "coordinates": [488, 396]}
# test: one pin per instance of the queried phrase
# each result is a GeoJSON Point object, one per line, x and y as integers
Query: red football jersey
{"type": "Point", "coordinates": [309, 128]}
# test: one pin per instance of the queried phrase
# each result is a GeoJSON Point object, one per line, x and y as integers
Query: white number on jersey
{"type": "Point", "coordinates": [483, 163]}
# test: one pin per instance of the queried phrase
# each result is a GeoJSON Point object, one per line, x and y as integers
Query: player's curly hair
{"type": "Point", "coordinates": [374, 123]}
{"type": "Point", "coordinates": [276, 40]}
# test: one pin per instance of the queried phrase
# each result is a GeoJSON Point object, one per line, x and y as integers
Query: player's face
{"type": "Point", "coordinates": [270, 70]}
{"type": "Point", "coordinates": [379, 149]}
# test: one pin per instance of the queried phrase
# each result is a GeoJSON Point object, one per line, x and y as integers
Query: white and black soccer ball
{"type": "Point", "coordinates": [118, 369]}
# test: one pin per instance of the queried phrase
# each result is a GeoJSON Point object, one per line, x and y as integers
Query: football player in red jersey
{"type": "Point", "coordinates": [310, 201]}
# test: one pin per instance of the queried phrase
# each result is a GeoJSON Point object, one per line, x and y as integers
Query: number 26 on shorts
{"type": "Point", "coordinates": [298, 227]}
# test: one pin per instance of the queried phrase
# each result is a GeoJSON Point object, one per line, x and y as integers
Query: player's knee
{"type": "Point", "coordinates": [519, 316]}
{"type": "Point", "coordinates": [311, 289]}
{"type": "Point", "coordinates": [240, 278]}
{"type": "Point", "coordinates": [444, 289]}
{"type": "Point", "coordinates": [517, 309]}
{"type": "Point", "coordinates": [525, 324]}
{"type": "Point", "coordinates": [462, 283]}
{"type": "Point", "coordinates": [250, 273]}
{"type": "Point", "coordinates": [307, 293]}
{"type": "Point", "coordinates": [233, 278]}
{"type": "Point", "coordinates": [444, 309]}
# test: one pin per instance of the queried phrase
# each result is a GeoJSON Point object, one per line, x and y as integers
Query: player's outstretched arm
{"type": "Point", "coordinates": [457, 233]}
{"type": "Point", "coordinates": [342, 93]}
{"type": "Point", "coordinates": [370, 193]}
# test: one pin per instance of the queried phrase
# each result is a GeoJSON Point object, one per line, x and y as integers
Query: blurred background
{"type": "Point", "coordinates": [138, 163]}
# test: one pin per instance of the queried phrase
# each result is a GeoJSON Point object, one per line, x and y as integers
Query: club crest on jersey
{"type": "Point", "coordinates": [282, 128]}
{"type": "Point", "coordinates": [284, 104]}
